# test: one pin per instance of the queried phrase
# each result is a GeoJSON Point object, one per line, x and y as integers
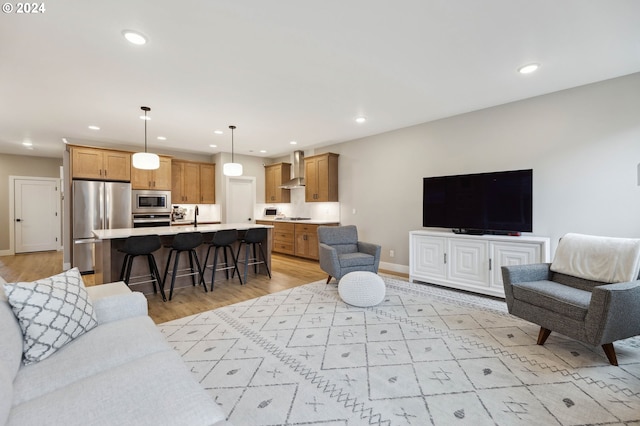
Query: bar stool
{"type": "Point", "coordinates": [185, 241]}
{"type": "Point", "coordinates": [253, 237]}
{"type": "Point", "coordinates": [142, 245]}
{"type": "Point", "coordinates": [222, 240]}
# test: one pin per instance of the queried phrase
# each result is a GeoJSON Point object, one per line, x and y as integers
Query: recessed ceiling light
{"type": "Point", "coordinates": [134, 37]}
{"type": "Point", "coordinates": [361, 119]}
{"type": "Point", "coordinates": [65, 140]}
{"type": "Point", "coordinates": [293, 143]}
{"type": "Point", "coordinates": [27, 143]}
{"type": "Point", "coordinates": [218, 132]}
{"type": "Point", "coordinates": [528, 69]}
{"type": "Point", "coordinates": [94, 127]}
{"type": "Point", "coordinates": [213, 146]}
{"type": "Point", "coordinates": [162, 138]}
{"type": "Point", "coordinates": [263, 151]}
{"type": "Point", "coordinates": [145, 117]}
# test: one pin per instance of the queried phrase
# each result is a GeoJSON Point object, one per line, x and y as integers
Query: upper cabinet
{"type": "Point", "coordinates": [100, 164]}
{"type": "Point", "coordinates": [193, 182]}
{"type": "Point", "coordinates": [274, 176]}
{"type": "Point", "coordinates": [153, 179]}
{"type": "Point", "coordinates": [207, 183]}
{"type": "Point", "coordinates": [321, 177]}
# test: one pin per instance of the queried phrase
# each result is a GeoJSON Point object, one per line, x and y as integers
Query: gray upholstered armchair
{"type": "Point", "coordinates": [341, 252]}
{"type": "Point", "coordinates": [559, 298]}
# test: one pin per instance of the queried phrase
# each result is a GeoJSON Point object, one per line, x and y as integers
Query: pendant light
{"type": "Point", "coordinates": [145, 160]}
{"type": "Point", "coordinates": [232, 169]}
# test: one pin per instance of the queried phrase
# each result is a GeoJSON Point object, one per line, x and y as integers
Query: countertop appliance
{"type": "Point", "coordinates": [96, 205]}
{"type": "Point", "coordinates": [270, 212]}
{"type": "Point", "coordinates": [150, 201]}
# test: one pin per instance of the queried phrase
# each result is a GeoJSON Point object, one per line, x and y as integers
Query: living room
{"type": "Point", "coordinates": [580, 140]}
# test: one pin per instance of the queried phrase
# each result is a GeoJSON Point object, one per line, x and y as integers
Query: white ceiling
{"type": "Point", "coordinates": [283, 70]}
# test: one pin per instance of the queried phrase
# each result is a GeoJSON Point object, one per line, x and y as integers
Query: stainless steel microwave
{"type": "Point", "coordinates": [149, 201]}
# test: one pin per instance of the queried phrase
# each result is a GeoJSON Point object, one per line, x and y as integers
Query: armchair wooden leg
{"type": "Point", "coordinates": [328, 279]}
{"type": "Point", "coordinates": [610, 352]}
{"type": "Point", "coordinates": [542, 335]}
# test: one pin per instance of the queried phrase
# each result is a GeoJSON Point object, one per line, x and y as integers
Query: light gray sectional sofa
{"type": "Point", "coordinates": [122, 372]}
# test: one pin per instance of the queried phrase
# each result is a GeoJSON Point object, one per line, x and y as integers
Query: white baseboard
{"type": "Point", "coordinates": [6, 252]}
{"type": "Point", "coordinates": [66, 266]}
{"type": "Point", "coordinates": [394, 267]}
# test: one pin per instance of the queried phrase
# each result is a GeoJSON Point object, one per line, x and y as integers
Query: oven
{"type": "Point", "coordinates": [149, 220]}
{"type": "Point", "coordinates": [150, 202]}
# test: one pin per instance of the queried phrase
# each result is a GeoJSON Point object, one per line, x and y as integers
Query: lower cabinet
{"type": "Point", "coordinates": [306, 240]}
{"type": "Point", "coordinates": [297, 239]}
{"type": "Point", "coordinates": [470, 262]}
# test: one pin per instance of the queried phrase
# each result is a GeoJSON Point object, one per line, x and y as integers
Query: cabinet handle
{"type": "Point", "coordinates": [105, 173]}
{"type": "Point", "coordinates": [489, 263]}
{"type": "Point", "coordinates": [445, 258]}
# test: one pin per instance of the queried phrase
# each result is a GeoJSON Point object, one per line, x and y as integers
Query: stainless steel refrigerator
{"type": "Point", "coordinates": [97, 205]}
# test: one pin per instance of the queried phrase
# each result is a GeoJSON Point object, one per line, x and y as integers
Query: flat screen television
{"type": "Point", "coordinates": [498, 202]}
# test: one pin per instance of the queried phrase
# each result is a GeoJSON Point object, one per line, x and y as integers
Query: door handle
{"type": "Point", "coordinates": [18, 220]}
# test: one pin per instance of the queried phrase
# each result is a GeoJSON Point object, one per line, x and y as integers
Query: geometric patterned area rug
{"type": "Point", "coordinates": [425, 356]}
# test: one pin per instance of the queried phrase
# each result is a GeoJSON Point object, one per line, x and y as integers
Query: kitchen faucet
{"type": "Point", "coordinates": [195, 217]}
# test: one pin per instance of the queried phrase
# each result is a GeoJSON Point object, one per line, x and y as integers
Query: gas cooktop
{"type": "Point", "coordinates": [294, 218]}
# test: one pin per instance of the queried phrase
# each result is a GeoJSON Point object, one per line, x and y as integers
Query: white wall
{"type": "Point", "coordinates": [583, 145]}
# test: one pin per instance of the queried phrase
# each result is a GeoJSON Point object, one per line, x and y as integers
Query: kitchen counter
{"type": "Point", "coordinates": [110, 234]}
{"type": "Point", "coordinates": [309, 221]}
{"type": "Point", "coordinates": [183, 222]}
{"type": "Point", "coordinates": [109, 258]}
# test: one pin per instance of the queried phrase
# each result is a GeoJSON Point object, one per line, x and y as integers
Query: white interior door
{"type": "Point", "coordinates": [36, 217]}
{"type": "Point", "coordinates": [241, 196]}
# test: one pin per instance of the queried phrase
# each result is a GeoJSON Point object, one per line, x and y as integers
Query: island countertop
{"type": "Point", "coordinates": [109, 257]}
{"type": "Point", "coordinates": [112, 234]}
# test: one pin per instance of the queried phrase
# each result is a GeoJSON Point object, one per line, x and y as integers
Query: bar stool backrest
{"type": "Point", "coordinates": [225, 237]}
{"type": "Point", "coordinates": [141, 244]}
{"type": "Point", "coordinates": [187, 240]}
{"type": "Point", "coordinates": [255, 235]}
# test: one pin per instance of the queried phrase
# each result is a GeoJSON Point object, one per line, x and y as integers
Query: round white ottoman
{"type": "Point", "coordinates": [361, 288]}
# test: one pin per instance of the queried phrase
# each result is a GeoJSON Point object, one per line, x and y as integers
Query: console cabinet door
{"type": "Point", "coordinates": [428, 256]}
{"type": "Point", "coordinates": [507, 254]}
{"type": "Point", "coordinates": [469, 262]}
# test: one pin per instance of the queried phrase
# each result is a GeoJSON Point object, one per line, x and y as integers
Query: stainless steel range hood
{"type": "Point", "coordinates": [298, 172]}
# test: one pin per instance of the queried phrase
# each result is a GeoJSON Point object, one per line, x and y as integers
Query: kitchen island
{"type": "Point", "coordinates": [108, 258]}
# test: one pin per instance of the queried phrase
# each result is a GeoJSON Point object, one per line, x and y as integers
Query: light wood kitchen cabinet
{"type": "Point", "coordinates": [274, 176]}
{"type": "Point", "coordinates": [185, 182]}
{"type": "Point", "coordinates": [283, 237]}
{"type": "Point", "coordinates": [297, 239]}
{"type": "Point", "coordinates": [100, 164]}
{"type": "Point", "coordinates": [207, 183]}
{"type": "Point", "coordinates": [321, 178]}
{"type": "Point", "coordinates": [153, 179]}
{"type": "Point", "coordinates": [306, 240]}
{"type": "Point", "coordinates": [192, 182]}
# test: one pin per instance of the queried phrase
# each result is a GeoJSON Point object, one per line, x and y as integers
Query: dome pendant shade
{"type": "Point", "coordinates": [145, 160]}
{"type": "Point", "coordinates": [232, 168]}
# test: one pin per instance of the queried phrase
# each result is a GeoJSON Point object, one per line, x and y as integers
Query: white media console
{"type": "Point", "coordinates": [470, 262]}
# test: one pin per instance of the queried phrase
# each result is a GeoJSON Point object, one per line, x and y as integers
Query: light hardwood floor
{"type": "Point", "coordinates": [287, 272]}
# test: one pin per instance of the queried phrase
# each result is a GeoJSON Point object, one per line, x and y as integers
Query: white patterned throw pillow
{"type": "Point", "coordinates": [52, 312]}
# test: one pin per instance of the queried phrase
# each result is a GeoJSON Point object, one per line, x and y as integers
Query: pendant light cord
{"type": "Point", "coordinates": [232, 128]}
